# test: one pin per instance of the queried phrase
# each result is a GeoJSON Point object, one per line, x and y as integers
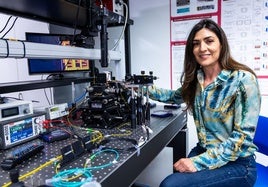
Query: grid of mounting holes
{"type": "Point", "coordinates": [52, 150]}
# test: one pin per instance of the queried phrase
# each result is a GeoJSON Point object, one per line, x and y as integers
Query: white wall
{"type": "Point", "coordinates": [150, 39]}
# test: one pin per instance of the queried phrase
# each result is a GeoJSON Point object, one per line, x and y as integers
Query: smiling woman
{"type": "Point", "coordinates": [207, 51]}
{"type": "Point", "coordinates": [223, 96]}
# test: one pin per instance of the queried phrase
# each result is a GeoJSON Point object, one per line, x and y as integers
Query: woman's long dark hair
{"type": "Point", "coordinates": [189, 76]}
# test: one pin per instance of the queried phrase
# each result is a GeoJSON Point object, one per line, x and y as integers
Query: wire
{"type": "Point", "coordinates": [10, 28]}
{"type": "Point", "coordinates": [134, 143]}
{"type": "Point", "coordinates": [6, 24]}
{"type": "Point", "coordinates": [121, 129]}
{"type": "Point", "coordinates": [23, 177]}
{"type": "Point", "coordinates": [102, 151]}
{"type": "Point", "coordinates": [15, 98]}
{"type": "Point", "coordinates": [24, 49]}
{"type": "Point", "coordinates": [124, 28]}
{"type": "Point", "coordinates": [7, 48]}
{"type": "Point", "coordinates": [122, 33]}
{"type": "Point", "coordinates": [74, 108]}
{"type": "Point", "coordinates": [79, 98]}
{"type": "Point", "coordinates": [62, 178]}
{"type": "Point", "coordinates": [66, 177]}
{"type": "Point", "coordinates": [50, 101]}
{"type": "Point", "coordinates": [76, 19]}
{"type": "Point", "coordinates": [45, 91]}
{"type": "Point", "coordinates": [97, 136]}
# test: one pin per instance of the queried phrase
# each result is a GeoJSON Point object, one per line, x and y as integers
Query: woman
{"type": "Point", "coordinates": [224, 98]}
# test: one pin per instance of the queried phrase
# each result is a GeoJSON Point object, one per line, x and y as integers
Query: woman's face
{"type": "Point", "coordinates": [206, 48]}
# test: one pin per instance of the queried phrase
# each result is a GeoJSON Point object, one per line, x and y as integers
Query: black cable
{"type": "Point", "coordinates": [7, 49]}
{"type": "Point", "coordinates": [48, 78]}
{"type": "Point", "coordinates": [10, 27]}
{"type": "Point", "coordinates": [15, 98]}
{"type": "Point", "coordinates": [6, 24]}
{"type": "Point", "coordinates": [75, 23]}
{"type": "Point", "coordinates": [134, 143]}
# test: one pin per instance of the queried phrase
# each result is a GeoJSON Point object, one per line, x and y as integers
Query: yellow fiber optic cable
{"type": "Point", "coordinates": [26, 175]}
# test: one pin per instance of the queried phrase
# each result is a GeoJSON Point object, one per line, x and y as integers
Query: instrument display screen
{"type": "Point", "coordinates": [21, 130]}
{"type": "Point", "coordinates": [10, 112]}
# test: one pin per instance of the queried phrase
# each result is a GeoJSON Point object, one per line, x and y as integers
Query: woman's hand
{"type": "Point", "coordinates": [185, 165]}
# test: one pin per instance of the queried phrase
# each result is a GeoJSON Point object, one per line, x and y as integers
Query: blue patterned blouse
{"type": "Point", "coordinates": [225, 114]}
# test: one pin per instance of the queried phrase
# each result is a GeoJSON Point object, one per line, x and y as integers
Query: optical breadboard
{"type": "Point", "coordinates": [54, 150]}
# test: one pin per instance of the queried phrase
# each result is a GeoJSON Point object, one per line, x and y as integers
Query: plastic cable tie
{"type": "Point", "coordinates": [150, 130]}
{"type": "Point", "coordinates": [100, 148]}
{"type": "Point", "coordinates": [143, 128]}
{"type": "Point", "coordinates": [141, 141]}
{"type": "Point", "coordinates": [91, 184]}
{"type": "Point", "coordinates": [88, 162]}
{"type": "Point", "coordinates": [114, 162]}
{"type": "Point", "coordinates": [138, 150]}
{"type": "Point", "coordinates": [107, 136]}
{"type": "Point", "coordinates": [55, 159]}
{"type": "Point", "coordinates": [50, 182]}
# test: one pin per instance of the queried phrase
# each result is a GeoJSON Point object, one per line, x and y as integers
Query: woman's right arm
{"type": "Point", "coordinates": [165, 95]}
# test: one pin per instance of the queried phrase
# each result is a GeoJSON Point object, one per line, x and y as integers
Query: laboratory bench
{"type": "Point", "coordinates": [109, 168]}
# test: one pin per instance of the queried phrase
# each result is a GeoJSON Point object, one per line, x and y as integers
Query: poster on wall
{"type": "Point", "coordinates": [246, 26]}
{"type": "Point", "coordinates": [181, 8]}
{"type": "Point", "coordinates": [183, 15]}
{"type": "Point", "coordinates": [244, 22]}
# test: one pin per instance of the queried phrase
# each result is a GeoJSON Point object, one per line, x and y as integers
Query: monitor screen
{"type": "Point", "coordinates": [50, 66]}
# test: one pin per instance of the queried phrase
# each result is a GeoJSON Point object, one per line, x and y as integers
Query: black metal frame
{"type": "Point", "coordinates": [39, 84]}
{"type": "Point", "coordinates": [59, 12]}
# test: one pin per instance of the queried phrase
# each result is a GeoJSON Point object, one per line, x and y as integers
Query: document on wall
{"type": "Point", "coordinates": [246, 26]}
{"type": "Point", "coordinates": [177, 65]}
{"type": "Point", "coordinates": [184, 15]}
{"type": "Point", "coordinates": [244, 22]}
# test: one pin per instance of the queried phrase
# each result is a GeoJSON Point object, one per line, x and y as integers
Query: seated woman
{"type": "Point", "coordinates": [223, 96]}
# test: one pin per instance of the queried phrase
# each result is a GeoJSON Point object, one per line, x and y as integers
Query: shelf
{"type": "Point", "coordinates": [60, 12]}
{"type": "Point", "coordinates": [19, 49]}
{"type": "Point", "coordinates": [39, 84]}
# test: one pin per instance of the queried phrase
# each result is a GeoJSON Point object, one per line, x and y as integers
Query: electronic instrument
{"type": "Point", "coordinates": [14, 109]}
{"type": "Point", "coordinates": [20, 130]}
{"type": "Point", "coordinates": [54, 111]}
